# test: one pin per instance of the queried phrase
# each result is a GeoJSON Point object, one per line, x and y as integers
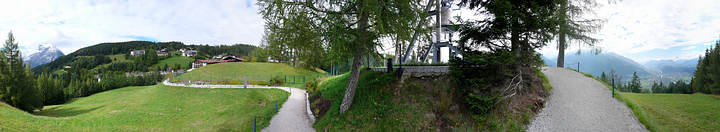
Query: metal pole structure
{"type": "Point", "coordinates": [254, 124]}
{"type": "Point", "coordinates": [438, 32]}
{"type": "Point", "coordinates": [245, 81]}
{"type": "Point", "coordinates": [578, 66]}
{"type": "Point", "coordinates": [416, 34]}
{"type": "Point", "coordinates": [613, 87]}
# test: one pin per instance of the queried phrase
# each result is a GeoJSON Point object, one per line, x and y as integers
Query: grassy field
{"type": "Point", "coordinates": [151, 108]}
{"type": "Point", "coordinates": [676, 112]}
{"type": "Point", "coordinates": [117, 57]}
{"type": "Point", "coordinates": [673, 112]}
{"type": "Point", "coordinates": [183, 61]}
{"type": "Point", "coordinates": [295, 77]}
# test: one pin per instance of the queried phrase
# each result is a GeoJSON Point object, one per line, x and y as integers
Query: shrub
{"type": "Point", "coordinates": [277, 80]}
{"type": "Point", "coordinates": [259, 83]}
{"type": "Point", "coordinates": [311, 85]}
{"type": "Point", "coordinates": [479, 76]}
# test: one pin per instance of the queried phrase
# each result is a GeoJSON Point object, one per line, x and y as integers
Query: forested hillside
{"type": "Point", "coordinates": [103, 49]}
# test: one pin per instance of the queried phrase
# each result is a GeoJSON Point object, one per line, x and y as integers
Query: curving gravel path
{"type": "Point", "coordinates": [292, 116]}
{"type": "Point", "coordinates": [579, 103]}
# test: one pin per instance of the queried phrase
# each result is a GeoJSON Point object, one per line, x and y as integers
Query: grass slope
{"type": "Point", "coordinates": [382, 103]}
{"type": "Point", "coordinates": [672, 112]}
{"type": "Point", "coordinates": [255, 71]}
{"type": "Point", "coordinates": [183, 61]}
{"type": "Point", "coordinates": [372, 107]}
{"type": "Point", "coordinates": [151, 108]}
{"type": "Point", "coordinates": [676, 112]}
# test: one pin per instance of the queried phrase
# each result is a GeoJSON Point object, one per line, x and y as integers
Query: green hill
{"type": "Point", "coordinates": [151, 108]}
{"type": "Point", "coordinates": [122, 48]}
{"type": "Point", "coordinates": [255, 71]}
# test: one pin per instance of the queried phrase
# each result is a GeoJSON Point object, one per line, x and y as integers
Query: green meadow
{"type": "Point", "coordinates": [152, 108]}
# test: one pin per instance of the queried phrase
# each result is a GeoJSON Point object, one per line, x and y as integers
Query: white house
{"type": "Point", "coordinates": [137, 52]}
{"type": "Point", "coordinates": [188, 53]}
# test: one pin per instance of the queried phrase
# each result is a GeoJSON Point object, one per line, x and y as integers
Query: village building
{"type": "Point", "coordinates": [225, 59]}
{"type": "Point", "coordinates": [162, 53]}
{"type": "Point", "coordinates": [188, 53]}
{"type": "Point", "coordinates": [137, 52]}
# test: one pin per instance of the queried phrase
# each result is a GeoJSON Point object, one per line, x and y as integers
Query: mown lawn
{"type": "Point", "coordinates": [183, 61]}
{"type": "Point", "coordinates": [676, 112]}
{"type": "Point", "coordinates": [254, 71]}
{"type": "Point", "coordinates": [151, 108]}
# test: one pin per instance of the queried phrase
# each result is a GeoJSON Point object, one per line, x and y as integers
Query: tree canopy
{"type": "Point", "coordinates": [347, 29]}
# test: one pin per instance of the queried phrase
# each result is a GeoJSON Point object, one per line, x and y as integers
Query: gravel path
{"type": "Point", "coordinates": [292, 116]}
{"type": "Point", "coordinates": [579, 103]}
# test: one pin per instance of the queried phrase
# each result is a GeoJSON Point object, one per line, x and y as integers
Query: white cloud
{"type": "Point", "coordinates": [637, 28]}
{"type": "Point", "coordinates": [78, 23]}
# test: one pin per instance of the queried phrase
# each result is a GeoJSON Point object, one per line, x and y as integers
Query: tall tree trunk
{"type": "Point", "coordinates": [352, 83]}
{"type": "Point", "coordinates": [357, 59]}
{"type": "Point", "coordinates": [562, 32]}
{"type": "Point", "coordinates": [561, 50]}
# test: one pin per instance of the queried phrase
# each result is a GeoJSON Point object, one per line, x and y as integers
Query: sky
{"type": "Point", "coordinates": [645, 30]}
{"type": "Point", "coordinates": [73, 24]}
{"type": "Point", "coordinates": [641, 30]}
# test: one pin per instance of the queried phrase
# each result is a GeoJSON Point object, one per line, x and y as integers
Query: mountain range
{"type": "Point", "coordinates": [46, 53]}
{"type": "Point", "coordinates": [596, 64]}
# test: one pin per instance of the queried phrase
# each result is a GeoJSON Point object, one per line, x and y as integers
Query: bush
{"type": "Point", "coordinates": [311, 85]}
{"type": "Point", "coordinates": [277, 80]}
{"type": "Point", "coordinates": [259, 83]}
{"type": "Point", "coordinates": [479, 76]}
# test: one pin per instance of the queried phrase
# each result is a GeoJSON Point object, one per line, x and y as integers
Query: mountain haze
{"type": "Point", "coordinates": [603, 62]}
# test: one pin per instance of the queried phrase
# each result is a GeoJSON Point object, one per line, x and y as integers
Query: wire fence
{"type": "Point", "coordinates": [254, 79]}
{"type": "Point", "coordinates": [258, 122]}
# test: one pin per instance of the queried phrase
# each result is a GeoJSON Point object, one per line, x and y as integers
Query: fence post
{"type": "Point", "coordinates": [245, 81]}
{"type": "Point", "coordinates": [613, 87]}
{"type": "Point", "coordinates": [254, 124]}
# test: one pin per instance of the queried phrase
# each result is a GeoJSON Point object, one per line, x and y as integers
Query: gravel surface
{"type": "Point", "coordinates": [292, 116]}
{"type": "Point", "coordinates": [579, 103]}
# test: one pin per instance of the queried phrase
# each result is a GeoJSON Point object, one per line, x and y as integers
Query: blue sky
{"type": "Point", "coordinates": [73, 24]}
{"type": "Point", "coordinates": [642, 30]}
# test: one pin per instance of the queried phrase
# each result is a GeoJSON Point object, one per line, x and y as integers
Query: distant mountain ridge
{"type": "Point", "coordinates": [46, 54]}
{"type": "Point", "coordinates": [660, 70]}
{"type": "Point", "coordinates": [603, 62]}
{"type": "Point", "coordinates": [672, 66]}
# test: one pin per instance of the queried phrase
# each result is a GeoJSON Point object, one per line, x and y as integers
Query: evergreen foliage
{"type": "Point", "coordinates": [706, 78]}
{"type": "Point", "coordinates": [634, 85]}
{"type": "Point", "coordinates": [17, 82]}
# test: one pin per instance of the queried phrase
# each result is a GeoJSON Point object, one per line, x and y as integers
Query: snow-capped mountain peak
{"type": "Point", "coordinates": [47, 47]}
{"type": "Point", "coordinates": [46, 53]}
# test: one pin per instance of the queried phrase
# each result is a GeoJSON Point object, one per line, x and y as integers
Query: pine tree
{"type": "Point", "coordinates": [706, 78]}
{"type": "Point", "coordinates": [655, 88]}
{"type": "Point", "coordinates": [19, 82]}
{"type": "Point", "coordinates": [635, 83]}
{"type": "Point", "coordinates": [604, 78]}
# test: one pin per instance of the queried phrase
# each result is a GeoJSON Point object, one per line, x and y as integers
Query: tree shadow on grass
{"type": "Point", "coordinates": [65, 111]}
